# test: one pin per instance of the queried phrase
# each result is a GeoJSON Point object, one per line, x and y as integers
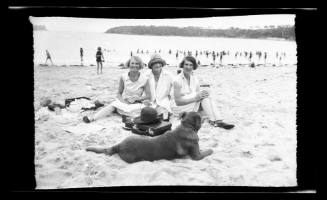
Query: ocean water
{"type": "Point", "coordinates": [64, 48]}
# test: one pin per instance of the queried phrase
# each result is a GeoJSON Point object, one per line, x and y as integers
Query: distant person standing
{"type": "Point", "coordinates": [265, 57]}
{"type": "Point", "coordinates": [177, 58]}
{"type": "Point", "coordinates": [259, 55]}
{"type": "Point", "coordinates": [221, 58]}
{"type": "Point", "coordinates": [48, 57]}
{"type": "Point", "coordinates": [99, 59]}
{"type": "Point", "coordinates": [214, 58]}
{"type": "Point", "coordinates": [250, 56]}
{"type": "Point", "coordinates": [280, 59]}
{"type": "Point", "coordinates": [81, 54]}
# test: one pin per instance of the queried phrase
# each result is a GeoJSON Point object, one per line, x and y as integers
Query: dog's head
{"type": "Point", "coordinates": [192, 120]}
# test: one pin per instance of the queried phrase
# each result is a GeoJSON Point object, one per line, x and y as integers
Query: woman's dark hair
{"type": "Point", "coordinates": [191, 59]}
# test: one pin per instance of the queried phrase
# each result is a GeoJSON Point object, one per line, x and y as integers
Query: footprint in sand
{"type": "Point", "coordinates": [38, 165]}
{"type": "Point", "coordinates": [102, 174]}
{"type": "Point", "coordinates": [88, 180]}
{"type": "Point", "coordinates": [76, 147]}
{"type": "Point", "coordinates": [278, 124]}
{"type": "Point", "coordinates": [218, 160]}
{"type": "Point", "coordinates": [66, 164]}
{"type": "Point", "coordinates": [247, 123]}
{"type": "Point", "coordinates": [247, 154]}
{"type": "Point", "coordinates": [154, 176]}
{"type": "Point", "coordinates": [267, 144]}
{"type": "Point", "coordinates": [68, 174]}
{"type": "Point", "coordinates": [274, 158]}
{"type": "Point", "coordinates": [236, 179]}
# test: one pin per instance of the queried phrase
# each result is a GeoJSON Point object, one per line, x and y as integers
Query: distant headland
{"type": "Point", "coordinates": [279, 32]}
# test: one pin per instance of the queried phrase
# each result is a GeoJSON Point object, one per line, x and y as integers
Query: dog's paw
{"type": "Point", "coordinates": [209, 151]}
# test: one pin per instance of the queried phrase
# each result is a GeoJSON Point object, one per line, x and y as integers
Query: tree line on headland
{"type": "Point", "coordinates": [282, 32]}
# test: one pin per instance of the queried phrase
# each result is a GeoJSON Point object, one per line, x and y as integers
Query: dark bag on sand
{"type": "Point", "coordinates": [152, 129]}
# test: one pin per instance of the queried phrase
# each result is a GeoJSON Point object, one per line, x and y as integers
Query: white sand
{"type": "Point", "coordinates": [259, 151]}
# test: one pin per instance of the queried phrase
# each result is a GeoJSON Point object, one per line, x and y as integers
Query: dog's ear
{"type": "Point", "coordinates": [193, 119]}
{"type": "Point", "coordinates": [198, 122]}
{"type": "Point", "coordinates": [182, 115]}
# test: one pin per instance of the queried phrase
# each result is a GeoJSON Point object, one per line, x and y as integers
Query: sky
{"type": "Point", "coordinates": [101, 25]}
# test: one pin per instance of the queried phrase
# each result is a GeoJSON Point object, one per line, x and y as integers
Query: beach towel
{"type": "Point", "coordinates": [80, 105]}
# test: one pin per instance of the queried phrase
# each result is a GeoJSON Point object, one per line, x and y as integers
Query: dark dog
{"type": "Point", "coordinates": [178, 143]}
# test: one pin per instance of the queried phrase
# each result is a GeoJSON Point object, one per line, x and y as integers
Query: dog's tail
{"type": "Point", "coordinates": [108, 151]}
{"type": "Point", "coordinates": [112, 150]}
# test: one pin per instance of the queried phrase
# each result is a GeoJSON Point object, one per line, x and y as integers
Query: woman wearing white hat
{"type": "Point", "coordinates": [161, 84]}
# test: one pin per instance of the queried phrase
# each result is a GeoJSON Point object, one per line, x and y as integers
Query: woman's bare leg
{"type": "Point", "coordinates": [97, 67]}
{"type": "Point", "coordinates": [104, 112]}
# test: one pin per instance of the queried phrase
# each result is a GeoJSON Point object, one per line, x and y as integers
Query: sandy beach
{"type": "Point", "coordinates": [259, 151]}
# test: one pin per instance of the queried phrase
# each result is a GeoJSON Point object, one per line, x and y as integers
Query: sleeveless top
{"type": "Point", "coordinates": [99, 53]}
{"type": "Point", "coordinates": [188, 91]}
{"type": "Point", "coordinates": [133, 88]}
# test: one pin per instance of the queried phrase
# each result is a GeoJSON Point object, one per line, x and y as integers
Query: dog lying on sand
{"type": "Point", "coordinates": [178, 143]}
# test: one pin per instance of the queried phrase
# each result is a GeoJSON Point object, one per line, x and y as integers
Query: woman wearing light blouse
{"type": "Point", "coordinates": [189, 97]}
{"type": "Point", "coordinates": [130, 97]}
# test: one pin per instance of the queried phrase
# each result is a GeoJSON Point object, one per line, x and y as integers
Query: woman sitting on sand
{"type": "Point", "coordinates": [189, 97]}
{"type": "Point", "coordinates": [130, 96]}
{"type": "Point", "coordinates": [161, 84]}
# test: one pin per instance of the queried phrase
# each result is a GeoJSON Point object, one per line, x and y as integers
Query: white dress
{"type": "Point", "coordinates": [160, 94]}
{"type": "Point", "coordinates": [188, 91]}
{"type": "Point", "coordinates": [131, 89]}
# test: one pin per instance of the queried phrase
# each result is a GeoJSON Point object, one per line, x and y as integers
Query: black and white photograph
{"type": "Point", "coordinates": [203, 101]}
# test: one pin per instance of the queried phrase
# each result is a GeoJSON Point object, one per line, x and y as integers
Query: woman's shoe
{"type": "Point", "coordinates": [224, 125]}
{"type": "Point", "coordinates": [213, 123]}
{"type": "Point", "coordinates": [86, 119]}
